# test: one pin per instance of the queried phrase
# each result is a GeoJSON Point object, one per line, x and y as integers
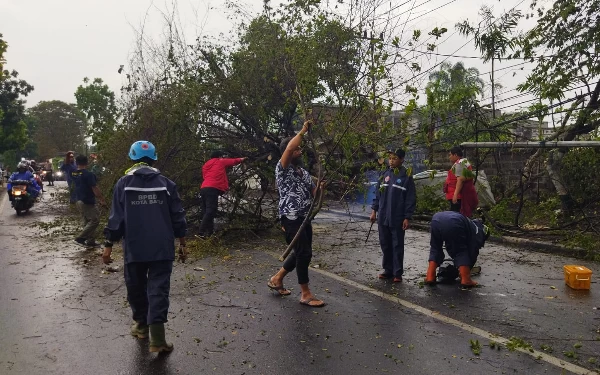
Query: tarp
{"type": "Point", "coordinates": [437, 177]}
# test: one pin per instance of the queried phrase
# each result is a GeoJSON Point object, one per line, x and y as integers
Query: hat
{"type": "Point", "coordinates": [398, 152]}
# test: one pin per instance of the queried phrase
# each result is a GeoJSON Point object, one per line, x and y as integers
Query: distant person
{"type": "Point", "coordinates": [296, 192]}
{"type": "Point", "coordinates": [67, 168]}
{"type": "Point", "coordinates": [87, 192]}
{"type": "Point", "coordinates": [147, 214]}
{"type": "Point", "coordinates": [393, 207]}
{"type": "Point", "coordinates": [214, 184]}
{"type": "Point", "coordinates": [459, 186]}
{"type": "Point", "coordinates": [463, 238]}
{"type": "Point", "coordinates": [49, 174]}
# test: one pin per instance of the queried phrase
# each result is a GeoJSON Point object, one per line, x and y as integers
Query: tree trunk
{"type": "Point", "coordinates": [553, 167]}
{"type": "Point", "coordinates": [493, 92]}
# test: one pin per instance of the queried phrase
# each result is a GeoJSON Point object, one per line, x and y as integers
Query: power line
{"type": "Point", "coordinates": [431, 11]}
{"type": "Point", "coordinates": [440, 63]}
{"type": "Point", "coordinates": [479, 57]}
{"type": "Point", "coordinates": [479, 108]}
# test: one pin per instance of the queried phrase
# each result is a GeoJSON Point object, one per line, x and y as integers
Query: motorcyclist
{"type": "Point", "coordinates": [35, 169]}
{"type": "Point", "coordinates": [23, 174]}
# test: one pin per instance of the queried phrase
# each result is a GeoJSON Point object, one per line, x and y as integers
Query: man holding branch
{"type": "Point", "coordinates": [296, 192]}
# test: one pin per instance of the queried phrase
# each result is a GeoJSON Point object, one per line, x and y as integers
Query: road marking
{"type": "Point", "coordinates": [469, 328]}
{"type": "Point", "coordinates": [4, 199]}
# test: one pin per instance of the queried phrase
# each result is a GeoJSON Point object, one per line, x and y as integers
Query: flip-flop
{"type": "Point", "coordinates": [307, 302]}
{"type": "Point", "coordinates": [279, 288]}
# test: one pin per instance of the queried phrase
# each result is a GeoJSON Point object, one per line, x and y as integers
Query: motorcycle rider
{"type": "Point", "coordinates": [35, 169]}
{"type": "Point", "coordinates": [23, 174]}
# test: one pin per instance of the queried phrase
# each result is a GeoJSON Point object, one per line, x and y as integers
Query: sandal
{"type": "Point", "coordinates": [307, 302]}
{"type": "Point", "coordinates": [279, 288]}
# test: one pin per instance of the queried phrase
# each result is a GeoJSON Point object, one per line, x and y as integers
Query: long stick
{"type": "Point", "coordinates": [369, 232]}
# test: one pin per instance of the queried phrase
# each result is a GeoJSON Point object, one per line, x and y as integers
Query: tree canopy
{"type": "Point", "coordinates": [13, 130]}
{"type": "Point", "coordinates": [97, 102]}
{"type": "Point", "coordinates": [60, 128]}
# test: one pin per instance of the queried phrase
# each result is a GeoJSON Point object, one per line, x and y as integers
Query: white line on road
{"type": "Point", "coordinates": [469, 328]}
{"type": "Point", "coordinates": [3, 201]}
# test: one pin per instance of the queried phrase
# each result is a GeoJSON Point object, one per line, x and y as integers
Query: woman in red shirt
{"type": "Point", "coordinates": [215, 183]}
{"type": "Point", "coordinates": [459, 186]}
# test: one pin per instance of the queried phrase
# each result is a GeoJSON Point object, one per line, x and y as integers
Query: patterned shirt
{"type": "Point", "coordinates": [463, 168]}
{"type": "Point", "coordinates": [295, 191]}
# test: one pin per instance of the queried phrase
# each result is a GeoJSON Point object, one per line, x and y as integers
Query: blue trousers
{"type": "Point", "coordinates": [148, 285]}
{"type": "Point", "coordinates": [391, 240]}
{"type": "Point", "coordinates": [72, 192]}
{"type": "Point", "coordinates": [454, 234]}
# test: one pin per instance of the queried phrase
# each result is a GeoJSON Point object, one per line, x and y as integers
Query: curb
{"type": "Point", "coordinates": [544, 247]}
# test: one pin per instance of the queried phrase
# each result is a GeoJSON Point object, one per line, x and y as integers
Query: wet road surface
{"type": "Point", "coordinates": [62, 313]}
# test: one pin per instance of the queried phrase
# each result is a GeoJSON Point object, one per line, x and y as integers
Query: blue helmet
{"type": "Point", "coordinates": [142, 149]}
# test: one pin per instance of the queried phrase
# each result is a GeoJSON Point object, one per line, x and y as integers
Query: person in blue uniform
{"type": "Point", "coordinates": [147, 214]}
{"type": "Point", "coordinates": [23, 174]}
{"type": "Point", "coordinates": [393, 207]}
{"type": "Point", "coordinates": [463, 238]}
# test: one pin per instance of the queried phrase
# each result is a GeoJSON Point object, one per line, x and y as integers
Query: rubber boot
{"type": "Point", "coordinates": [139, 330]}
{"type": "Point", "coordinates": [465, 277]}
{"type": "Point", "coordinates": [158, 343]}
{"type": "Point", "coordinates": [430, 278]}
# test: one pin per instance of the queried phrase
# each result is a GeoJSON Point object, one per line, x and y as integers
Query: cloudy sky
{"type": "Point", "coordinates": [54, 44]}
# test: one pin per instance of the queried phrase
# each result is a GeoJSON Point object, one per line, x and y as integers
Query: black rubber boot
{"type": "Point", "coordinates": [140, 330]}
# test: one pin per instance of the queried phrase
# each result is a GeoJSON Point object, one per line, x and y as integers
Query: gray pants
{"type": "Point", "coordinates": [91, 220]}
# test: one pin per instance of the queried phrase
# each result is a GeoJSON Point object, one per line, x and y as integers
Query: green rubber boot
{"type": "Point", "coordinates": [158, 342]}
{"type": "Point", "coordinates": [139, 330]}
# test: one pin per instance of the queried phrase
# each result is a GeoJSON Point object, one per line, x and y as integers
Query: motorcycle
{"type": "Point", "coordinates": [22, 200]}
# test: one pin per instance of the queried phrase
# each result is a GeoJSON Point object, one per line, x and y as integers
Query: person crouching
{"type": "Point", "coordinates": [463, 238]}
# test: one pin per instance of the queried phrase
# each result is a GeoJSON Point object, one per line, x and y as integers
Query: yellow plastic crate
{"type": "Point", "coordinates": [578, 277]}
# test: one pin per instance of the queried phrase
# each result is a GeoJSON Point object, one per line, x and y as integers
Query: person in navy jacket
{"type": "Point", "coordinates": [463, 238]}
{"type": "Point", "coordinates": [393, 207]}
{"type": "Point", "coordinates": [147, 214]}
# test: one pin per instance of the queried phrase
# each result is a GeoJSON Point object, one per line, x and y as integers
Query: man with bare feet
{"type": "Point", "coordinates": [296, 190]}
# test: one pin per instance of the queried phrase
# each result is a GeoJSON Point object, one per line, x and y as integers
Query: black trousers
{"type": "Point", "coordinates": [210, 201]}
{"type": "Point", "coordinates": [300, 257]}
{"type": "Point", "coordinates": [148, 285]}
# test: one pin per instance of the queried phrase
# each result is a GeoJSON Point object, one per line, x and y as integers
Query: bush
{"type": "Point", "coordinates": [429, 199]}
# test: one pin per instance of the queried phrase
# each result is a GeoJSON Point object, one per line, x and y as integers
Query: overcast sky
{"type": "Point", "coordinates": [54, 44]}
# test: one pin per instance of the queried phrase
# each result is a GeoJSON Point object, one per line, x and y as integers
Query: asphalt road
{"type": "Point", "coordinates": [61, 312]}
